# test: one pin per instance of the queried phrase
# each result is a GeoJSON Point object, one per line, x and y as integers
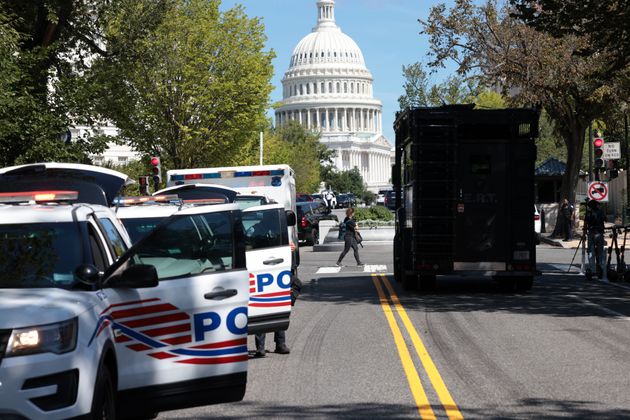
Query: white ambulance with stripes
{"type": "Point", "coordinates": [93, 327]}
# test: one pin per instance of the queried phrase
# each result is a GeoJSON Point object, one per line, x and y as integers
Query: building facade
{"type": "Point", "coordinates": [328, 89]}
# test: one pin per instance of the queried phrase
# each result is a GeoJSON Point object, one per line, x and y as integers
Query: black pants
{"type": "Point", "coordinates": [567, 228]}
{"type": "Point", "coordinates": [350, 242]}
{"type": "Point", "coordinates": [279, 337]}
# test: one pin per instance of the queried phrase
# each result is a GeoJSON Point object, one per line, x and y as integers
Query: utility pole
{"type": "Point", "coordinates": [590, 152]}
{"type": "Point", "coordinates": [261, 148]}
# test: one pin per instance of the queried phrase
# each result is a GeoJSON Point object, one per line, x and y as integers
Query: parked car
{"type": "Point", "coordinates": [345, 201]}
{"type": "Point", "coordinates": [380, 197]}
{"type": "Point", "coordinates": [390, 200]}
{"type": "Point", "coordinates": [537, 224]}
{"type": "Point", "coordinates": [309, 215]}
{"type": "Point", "coordinates": [299, 197]}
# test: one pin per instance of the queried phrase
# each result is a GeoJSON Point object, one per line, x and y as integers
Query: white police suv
{"type": "Point", "coordinates": [266, 241]}
{"type": "Point", "coordinates": [93, 327]}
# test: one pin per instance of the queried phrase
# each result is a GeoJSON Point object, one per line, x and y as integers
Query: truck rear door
{"type": "Point", "coordinates": [481, 220]}
{"type": "Point", "coordinates": [269, 264]}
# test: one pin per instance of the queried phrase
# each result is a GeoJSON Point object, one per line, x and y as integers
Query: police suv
{"type": "Point", "coordinates": [266, 240]}
{"type": "Point", "coordinates": [94, 327]}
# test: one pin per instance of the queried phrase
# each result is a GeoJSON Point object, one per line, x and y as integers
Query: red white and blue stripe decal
{"type": "Point", "coordinates": [267, 300]}
{"type": "Point", "coordinates": [163, 331]}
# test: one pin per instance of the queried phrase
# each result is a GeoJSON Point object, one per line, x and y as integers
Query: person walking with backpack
{"type": "Point", "coordinates": [349, 237]}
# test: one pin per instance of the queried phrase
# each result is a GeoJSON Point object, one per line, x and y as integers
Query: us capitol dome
{"type": "Point", "coordinates": [328, 88]}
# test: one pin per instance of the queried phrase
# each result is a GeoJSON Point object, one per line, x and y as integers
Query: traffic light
{"type": "Point", "coordinates": [156, 170]}
{"type": "Point", "coordinates": [598, 154]}
{"type": "Point", "coordinates": [613, 171]}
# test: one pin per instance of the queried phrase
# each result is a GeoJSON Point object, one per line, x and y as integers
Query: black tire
{"type": "Point", "coordinates": [410, 282]}
{"type": "Point", "coordinates": [315, 236]}
{"type": "Point", "coordinates": [104, 400]}
{"type": "Point", "coordinates": [427, 283]}
{"type": "Point", "coordinates": [523, 284]}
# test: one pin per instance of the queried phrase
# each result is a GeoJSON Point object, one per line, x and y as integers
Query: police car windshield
{"type": "Point", "coordinates": [247, 202]}
{"type": "Point", "coordinates": [137, 228]}
{"type": "Point", "coordinates": [39, 255]}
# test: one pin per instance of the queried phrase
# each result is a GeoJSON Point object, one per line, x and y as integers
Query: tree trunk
{"type": "Point", "coordinates": [574, 140]}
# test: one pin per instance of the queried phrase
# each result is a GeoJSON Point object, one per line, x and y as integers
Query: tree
{"type": "Point", "coordinates": [346, 181]}
{"type": "Point", "coordinates": [415, 87]}
{"type": "Point", "coordinates": [193, 89]}
{"type": "Point", "coordinates": [299, 148]}
{"type": "Point", "coordinates": [534, 68]}
{"type": "Point", "coordinates": [604, 23]}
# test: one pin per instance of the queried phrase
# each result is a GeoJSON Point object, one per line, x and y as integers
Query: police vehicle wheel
{"type": "Point", "coordinates": [524, 284]}
{"type": "Point", "coordinates": [104, 401]}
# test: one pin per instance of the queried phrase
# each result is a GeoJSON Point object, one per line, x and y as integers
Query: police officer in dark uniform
{"type": "Point", "coordinates": [594, 225]}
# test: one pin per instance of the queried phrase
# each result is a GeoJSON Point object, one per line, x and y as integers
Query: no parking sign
{"type": "Point", "coordinates": [598, 191]}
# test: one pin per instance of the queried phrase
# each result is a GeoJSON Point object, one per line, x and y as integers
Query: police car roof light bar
{"type": "Point", "coordinates": [38, 196]}
{"type": "Point", "coordinates": [227, 174]}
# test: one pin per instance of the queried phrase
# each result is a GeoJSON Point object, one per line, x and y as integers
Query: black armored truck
{"type": "Point", "coordinates": [464, 183]}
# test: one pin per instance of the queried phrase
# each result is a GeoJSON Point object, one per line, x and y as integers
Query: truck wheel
{"type": "Point", "coordinates": [410, 282]}
{"type": "Point", "coordinates": [524, 284]}
{"type": "Point", "coordinates": [427, 283]}
{"type": "Point", "coordinates": [104, 400]}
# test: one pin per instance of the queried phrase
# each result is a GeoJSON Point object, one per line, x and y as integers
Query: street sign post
{"type": "Point", "coordinates": [598, 191]}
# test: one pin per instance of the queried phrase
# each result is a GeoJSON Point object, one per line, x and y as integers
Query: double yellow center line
{"type": "Point", "coordinates": [422, 402]}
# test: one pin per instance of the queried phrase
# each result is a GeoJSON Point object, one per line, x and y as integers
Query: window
{"type": "Point", "coordinates": [189, 245]}
{"type": "Point", "coordinates": [118, 244]}
{"type": "Point", "coordinates": [99, 257]}
{"type": "Point", "coordinates": [34, 255]}
{"type": "Point", "coordinates": [264, 229]}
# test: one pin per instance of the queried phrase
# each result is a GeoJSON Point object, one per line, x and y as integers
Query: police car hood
{"type": "Point", "coordinates": [31, 307]}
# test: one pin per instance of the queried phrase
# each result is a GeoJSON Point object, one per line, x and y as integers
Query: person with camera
{"type": "Point", "coordinates": [594, 227]}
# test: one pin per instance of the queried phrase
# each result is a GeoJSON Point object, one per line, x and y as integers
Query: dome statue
{"type": "Point", "coordinates": [328, 88]}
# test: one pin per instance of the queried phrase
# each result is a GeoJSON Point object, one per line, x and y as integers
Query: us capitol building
{"type": "Point", "coordinates": [328, 88]}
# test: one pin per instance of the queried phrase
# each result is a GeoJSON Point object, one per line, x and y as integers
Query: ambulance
{"type": "Point", "coordinates": [277, 182]}
{"type": "Point", "coordinates": [93, 327]}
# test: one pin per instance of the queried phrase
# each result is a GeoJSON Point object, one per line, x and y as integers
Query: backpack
{"type": "Point", "coordinates": [342, 230]}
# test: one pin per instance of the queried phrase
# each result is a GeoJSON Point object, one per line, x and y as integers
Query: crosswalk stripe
{"type": "Point", "coordinates": [328, 270]}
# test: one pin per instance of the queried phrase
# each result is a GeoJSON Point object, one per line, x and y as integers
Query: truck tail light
{"type": "Point", "coordinates": [304, 222]}
{"type": "Point", "coordinates": [537, 217]}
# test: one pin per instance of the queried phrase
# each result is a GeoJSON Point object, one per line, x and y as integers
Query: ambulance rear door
{"type": "Point", "coordinates": [268, 255]}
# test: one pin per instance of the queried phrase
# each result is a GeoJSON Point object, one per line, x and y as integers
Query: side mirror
{"type": "Point", "coordinates": [135, 277]}
{"type": "Point", "coordinates": [88, 274]}
{"type": "Point", "coordinates": [291, 219]}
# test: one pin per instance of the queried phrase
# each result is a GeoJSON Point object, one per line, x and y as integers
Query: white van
{"type": "Point", "coordinates": [277, 182]}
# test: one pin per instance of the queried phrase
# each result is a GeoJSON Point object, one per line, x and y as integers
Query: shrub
{"type": "Point", "coordinates": [373, 213]}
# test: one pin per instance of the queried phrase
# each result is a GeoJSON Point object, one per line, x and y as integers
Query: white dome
{"type": "Point", "coordinates": [328, 46]}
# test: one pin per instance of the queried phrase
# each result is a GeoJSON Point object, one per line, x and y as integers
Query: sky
{"type": "Point", "coordinates": [387, 31]}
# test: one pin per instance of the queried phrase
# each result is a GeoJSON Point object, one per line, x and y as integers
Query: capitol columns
{"type": "Point", "coordinates": [308, 118]}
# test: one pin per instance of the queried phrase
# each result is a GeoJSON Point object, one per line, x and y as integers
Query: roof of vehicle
{"type": "Point", "coordinates": [264, 207]}
{"type": "Point", "coordinates": [170, 190]}
{"type": "Point", "coordinates": [46, 213]}
{"type": "Point", "coordinates": [165, 210]}
{"type": "Point", "coordinates": [95, 184]}
{"type": "Point", "coordinates": [231, 168]}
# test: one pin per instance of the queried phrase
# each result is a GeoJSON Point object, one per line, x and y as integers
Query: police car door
{"type": "Point", "coordinates": [184, 342]}
{"type": "Point", "coordinates": [269, 265]}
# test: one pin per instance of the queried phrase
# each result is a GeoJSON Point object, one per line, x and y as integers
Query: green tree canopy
{"type": "Point", "coordinates": [194, 90]}
{"type": "Point", "coordinates": [533, 67]}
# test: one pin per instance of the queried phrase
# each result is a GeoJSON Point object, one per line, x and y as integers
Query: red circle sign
{"type": "Point", "coordinates": [597, 191]}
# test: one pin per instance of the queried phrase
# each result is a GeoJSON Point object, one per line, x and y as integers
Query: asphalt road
{"type": "Point", "coordinates": [471, 349]}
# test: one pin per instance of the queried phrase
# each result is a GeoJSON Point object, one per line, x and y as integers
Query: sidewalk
{"type": "Point", "coordinates": [559, 242]}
